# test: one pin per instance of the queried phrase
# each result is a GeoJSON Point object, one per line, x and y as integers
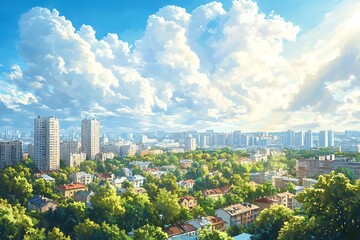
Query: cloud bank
{"type": "Point", "coordinates": [209, 68]}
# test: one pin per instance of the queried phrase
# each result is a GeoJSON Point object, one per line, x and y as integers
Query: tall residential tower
{"type": "Point", "coordinates": [90, 137]}
{"type": "Point", "coordinates": [47, 143]}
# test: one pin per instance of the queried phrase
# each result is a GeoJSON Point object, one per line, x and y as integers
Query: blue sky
{"type": "Point", "coordinates": [193, 65]}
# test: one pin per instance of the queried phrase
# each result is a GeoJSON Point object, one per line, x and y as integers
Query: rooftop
{"type": "Point", "coordinates": [240, 208]}
{"type": "Point", "coordinates": [71, 186]}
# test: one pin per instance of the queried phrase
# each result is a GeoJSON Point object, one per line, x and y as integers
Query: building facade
{"type": "Point", "coordinates": [90, 137]}
{"type": "Point", "coordinates": [47, 143]}
{"type": "Point", "coordinates": [10, 153]}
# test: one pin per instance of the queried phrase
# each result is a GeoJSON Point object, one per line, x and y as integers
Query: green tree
{"type": "Point", "coordinates": [270, 221]}
{"type": "Point", "coordinates": [150, 232]}
{"type": "Point", "coordinates": [235, 230]}
{"type": "Point", "coordinates": [56, 234]}
{"type": "Point", "coordinates": [107, 205]}
{"type": "Point", "coordinates": [206, 234]}
{"type": "Point", "coordinates": [297, 228]}
{"type": "Point", "coordinates": [14, 223]}
{"type": "Point", "coordinates": [334, 204]}
{"type": "Point", "coordinates": [167, 207]}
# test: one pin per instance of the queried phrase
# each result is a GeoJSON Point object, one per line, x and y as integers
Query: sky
{"type": "Point", "coordinates": [181, 65]}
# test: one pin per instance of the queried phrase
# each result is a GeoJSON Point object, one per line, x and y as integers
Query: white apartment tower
{"type": "Point", "coordinates": [190, 144]}
{"type": "Point", "coordinates": [299, 139]}
{"type": "Point", "coordinates": [323, 139]}
{"type": "Point", "coordinates": [90, 137]}
{"type": "Point", "coordinates": [331, 140]}
{"type": "Point", "coordinates": [10, 153]}
{"type": "Point", "coordinates": [47, 143]}
{"type": "Point", "coordinates": [308, 140]}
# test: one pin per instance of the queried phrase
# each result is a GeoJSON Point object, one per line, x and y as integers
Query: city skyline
{"type": "Point", "coordinates": [182, 66]}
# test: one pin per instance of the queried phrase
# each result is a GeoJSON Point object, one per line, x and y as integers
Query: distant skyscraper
{"type": "Point", "coordinates": [299, 139]}
{"type": "Point", "coordinates": [308, 140]}
{"type": "Point", "coordinates": [47, 143]}
{"type": "Point", "coordinates": [323, 139]}
{"type": "Point", "coordinates": [190, 144]}
{"type": "Point", "coordinates": [331, 140]}
{"type": "Point", "coordinates": [10, 153]}
{"type": "Point", "coordinates": [90, 137]}
{"type": "Point", "coordinates": [289, 138]}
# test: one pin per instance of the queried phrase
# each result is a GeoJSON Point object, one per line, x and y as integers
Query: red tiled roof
{"type": "Point", "coordinates": [173, 231]}
{"type": "Point", "coordinates": [71, 186]}
{"type": "Point", "coordinates": [214, 219]}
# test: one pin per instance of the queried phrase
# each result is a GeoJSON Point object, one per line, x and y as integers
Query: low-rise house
{"type": "Point", "coordinates": [188, 184]}
{"type": "Point", "coordinates": [47, 178]}
{"type": "Point", "coordinates": [185, 163]}
{"type": "Point", "coordinates": [105, 176]}
{"type": "Point", "coordinates": [282, 182]}
{"type": "Point", "coordinates": [137, 180]}
{"type": "Point", "coordinates": [238, 214]}
{"type": "Point", "coordinates": [285, 199]}
{"type": "Point", "coordinates": [188, 201]}
{"type": "Point", "coordinates": [127, 171]}
{"type": "Point", "coordinates": [200, 223]}
{"type": "Point", "coordinates": [155, 172]}
{"type": "Point", "coordinates": [181, 231]}
{"type": "Point", "coordinates": [142, 165]}
{"type": "Point", "coordinates": [103, 156]}
{"type": "Point", "coordinates": [83, 196]}
{"type": "Point", "coordinates": [117, 182]}
{"type": "Point", "coordinates": [68, 190]}
{"type": "Point", "coordinates": [41, 204]}
{"type": "Point", "coordinates": [81, 177]}
{"type": "Point", "coordinates": [169, 168]}
{"type": "Point", "coordinates": [265, 202]}
{"type": "Point", "coordinates": [217, 223]}
{"type": "Point", "coordinates": [216, 193]}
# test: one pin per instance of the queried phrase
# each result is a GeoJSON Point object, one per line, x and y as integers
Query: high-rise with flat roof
{"type": "Point", "coordinates": [47, 143]}
{"type": "Point", "coordinates": [323, 139]}
{"type": "Point", "coordinates": [308, 140]}
{"type": "Point", "coordinates": [90, 137]}
{"type": "Point", "coordinates": [331, 140]}
{"type": "Point", "coordinates": [299, 139]}
{"type": "Point", "coordinates": [10, 153]}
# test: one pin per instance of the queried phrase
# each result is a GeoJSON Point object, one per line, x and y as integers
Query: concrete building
{"type": "Point", "coordinates": [47, 143]}
{"type": "Point", "coordinates": [308, 140]}
{"type": "Point", "coordinates": [68, 190]}
{"type": "Point", "coordinates": [315, 167]}
{"type": "Point", "coordinates": [188, 202]}
{"type": "Point", "coordinates": [323, 139]}
{"type": "Point", "coordinates": [299, 139]}
{"type": "Point", "coordinates": [103, 156]}
{"type": "Point", "coordinates": [289, 138]}
{"type": "Point", "coordinates": [81, 177]}
{"type": "Point", "coordinates": [90, 137]}
{"type": "Point", "coordinates": [10, 153]}
{"type": "Point", "coordinates": [190, 144]}
{"type": "Point", "coordinates": [238, 214]}
{"type": "Point", "coordinates": [331, 138]}
{"type": "Point", "coordinates": [41, 204]}
{"type": "Point", "coordinates": [75, 159]}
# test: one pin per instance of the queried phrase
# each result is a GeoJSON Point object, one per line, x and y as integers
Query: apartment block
{"type": "Point", "coordinates": [90, 137]}
{"type": "Point", "coordinates": [11, 153]}
{"type": "Point", "coordinates": [47, 143]}
{"type": "Point", "coordinates": [238, 214]}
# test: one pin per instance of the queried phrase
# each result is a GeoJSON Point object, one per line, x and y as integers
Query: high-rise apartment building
{"type": "Point", "coordinates": [308, 140]}
{"type": "Point", "coordinates": [90, 137]}
{"type": "Point", "coordinates": [323, 139]}
{"type": "Point", "coordinates": [190, 144]}
{"type": "Point", "coordinates": [47, 143]}
{"type": "Point", "coordinates": [299, 139]}
{"type": "Point", "coordinates": [289, 138]}
{"type": "Point", "coordinates": [10, 153]}
{"type": "Point", "coordinates": [331, 140]}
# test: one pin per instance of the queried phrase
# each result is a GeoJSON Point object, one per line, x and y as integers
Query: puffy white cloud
{"type": "Point", "coordinates": [211, 67]}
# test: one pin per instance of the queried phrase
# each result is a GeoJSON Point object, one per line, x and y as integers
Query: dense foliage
{"type": "Point", "coordinates": [330, 209]}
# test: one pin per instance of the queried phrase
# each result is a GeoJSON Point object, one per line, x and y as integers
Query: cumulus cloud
{"type": "Point", "coordinates": [211, 67]}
